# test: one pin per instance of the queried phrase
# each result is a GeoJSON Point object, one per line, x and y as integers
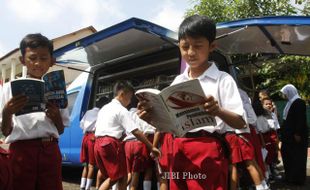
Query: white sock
{"type": "Point", "coordinates": [158, 186]}
{"type": "Point", "coordinates": [265, 184]}
{"type": "Point", "coordinates": [83, 182]}
{"type": "Point", "coordinates": [260, 187]}
{"type": "Point", "coordinates": [114, 187]}
{"type": "Point", "coordinates": [88, 183]}
{"type": "Point", "coordinates": [147, 185]}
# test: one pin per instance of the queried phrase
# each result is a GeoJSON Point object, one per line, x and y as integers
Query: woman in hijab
{"type": "Point", "coordinates": [294, 137]}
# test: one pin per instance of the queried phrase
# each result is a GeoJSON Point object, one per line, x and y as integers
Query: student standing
{"type": "Point", "coordinates": [34, 152]}
{"type": "Point", "coordinates": [199, 159]}
{"type": "Point", "coordinates": [113, 120]}
{"type": "Point", "coordinates": [87, 156]}
{"type": "Point", "coordinates": [294, 136]}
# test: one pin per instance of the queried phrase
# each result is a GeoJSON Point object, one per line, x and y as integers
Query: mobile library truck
{"type": "Point", "coordinates": [147, 54]}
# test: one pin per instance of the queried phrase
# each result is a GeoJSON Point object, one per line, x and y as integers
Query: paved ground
{"type": "Point", "coordinates": [71, 179]}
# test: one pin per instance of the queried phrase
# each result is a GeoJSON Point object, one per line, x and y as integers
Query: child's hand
{"type": "Point", "coordinates": [211, 106]}
{"type": "Point", "coordinates": [15, 104]}
{"type": "Point", "coordinates": [155, 153]}
{"type": "Point", "coordinates": [53, 113]}
{"type": "Point", "coordinates": [144, 111]}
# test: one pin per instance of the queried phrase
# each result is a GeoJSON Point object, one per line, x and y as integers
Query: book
{"type": "Point", "coordinates": [178, 108]}
{"type": "Point", "coordinates": [52, 88]}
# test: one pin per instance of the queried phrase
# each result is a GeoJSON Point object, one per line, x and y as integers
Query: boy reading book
{"type": "Point", "coordinates": [34, 152]}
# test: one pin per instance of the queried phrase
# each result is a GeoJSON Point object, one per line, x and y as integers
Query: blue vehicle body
{"type": "Point", "coordinates": [148, 55]}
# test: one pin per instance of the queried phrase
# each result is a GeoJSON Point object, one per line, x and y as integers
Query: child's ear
{"type": "Point", "coordinates": [212, 46]}
{"type": "Point", "coordinates": [22, 60]}
{"type": "Point", "coordinates": [53, 61]}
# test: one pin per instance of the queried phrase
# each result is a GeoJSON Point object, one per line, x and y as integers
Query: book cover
{"type": "Point", "coordinates": [177, 108]}
{"type": "Point", "coordinates": [32, 88]}
{"type": "Point", "coordinates": [55, 88]}
{"type": "Point", "coordinates": [52, 88]}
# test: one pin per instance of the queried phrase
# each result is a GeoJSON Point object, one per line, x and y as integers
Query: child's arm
{"type": "Point", "coordinates": [140, 136]}
{"type": "Point", "coordinates": [14, 105]}
{"type": "Point", "coordinates": [232, 119]}
{"type": "Point", "coordinates": [53, 113]}
{"type": "Point", "coordinates": [156, 138]}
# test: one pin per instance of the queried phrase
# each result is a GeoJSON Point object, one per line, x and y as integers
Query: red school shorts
{"type": "Point", "coordinates": [165, 146]}
{"type": "Point", "coordinates": [110, 157]}
{"type": "Point", "coordinates": [258, 149]}
{"type": "Point", "coordinates": [198, 163]}
{"type": "Point", "coordinates": [87, 149]}
{"type": "Point", "coordinates": [36, 164]}
{"type": "Point", "coordinates": [241, 147]}
{"type": "Point", "coordinates": [134, 158]}
{"type": "Point", "coordinates": [5, 170]}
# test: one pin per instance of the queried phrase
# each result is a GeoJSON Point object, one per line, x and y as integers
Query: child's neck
{"type": "Point", "coordinates": [197, 71]}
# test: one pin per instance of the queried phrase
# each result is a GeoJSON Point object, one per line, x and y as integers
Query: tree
{"type": "Point", "coordinates": [268, 73]}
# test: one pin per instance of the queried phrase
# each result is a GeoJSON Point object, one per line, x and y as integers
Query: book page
{"type": "Point", "coordinates": [34, 90]}
{"type": "Point", "coordinates": [159, 114]}
{"type": "Point", "coordinates": [185, 102]}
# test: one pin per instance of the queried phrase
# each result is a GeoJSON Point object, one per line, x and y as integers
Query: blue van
{"type": "Point", "coordinates": [148, 55]}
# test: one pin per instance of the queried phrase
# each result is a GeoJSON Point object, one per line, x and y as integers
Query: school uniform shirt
{"type": "Point", "coordinates": [142, 125]}
{"type": "Point", "coordinates": [113, 120]}
{"type": "Point", "coordinates": [249, 112]}
{"type": "Point", "coordinates": [263, 124]}
{"type": "Point", "coordinates": [32, 125]}
{"type": "Point", "coordinates": [88, 121]}
{"type": "Point", "coordinates": [223, 88]}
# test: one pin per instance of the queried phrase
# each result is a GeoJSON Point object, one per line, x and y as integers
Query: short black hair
{"type": "Point", "coordinates": [35, 41]}
{"type": "Point", "coordinates": [124, 85]}
{"type": "Point", "coordinates": [198, 26]}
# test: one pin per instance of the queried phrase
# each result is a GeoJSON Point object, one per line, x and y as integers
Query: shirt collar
{"type": "Point", "coordinates": [212, 72]}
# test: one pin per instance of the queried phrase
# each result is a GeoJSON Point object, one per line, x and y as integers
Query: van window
{"type": "Point", "coordinates": [71, 100]}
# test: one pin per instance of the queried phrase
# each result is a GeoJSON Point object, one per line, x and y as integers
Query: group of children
{"type": "Point", "coordinates": [204, 158]}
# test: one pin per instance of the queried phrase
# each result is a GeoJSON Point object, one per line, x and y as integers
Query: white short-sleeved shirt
{"type": "Point", "coordinates": [88, 121]}
{"type": "Point", "coordinates": [32, 125]}
{"type": "Point", "coordinates": [250, 114]}
{"type": "Point", "coordinates": [223, 88]}
{"type": "Point", "coordinates": [114, 120]}
{"type": "Point", "coordinates": [142, 125]}
{"type": "Point", "coordinates": [264, 124]}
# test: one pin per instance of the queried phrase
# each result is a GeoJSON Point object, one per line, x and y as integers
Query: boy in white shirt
{"type": "Point", "coordinates": [87, 156]}
{"type": "Point", "coordinates": [199, 160]}
{"type": "Point", "coordinates": [113, 120]}
{"type": "Point", "coordinates": [34, 151]}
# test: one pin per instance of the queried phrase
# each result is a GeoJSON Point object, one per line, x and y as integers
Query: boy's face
{"type": "Point", "coordinates": [37, 60]}
{"type": "Point", "coordinates": [267, 104]}
{"type": "Point", "coordinates": [195, 51]}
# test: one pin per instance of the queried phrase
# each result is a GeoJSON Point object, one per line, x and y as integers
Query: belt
{"type": "Point", "coordinates": [48, 139]}
{"type": "Point", "coordinates": [90, 132]}
{"type": "Point", "coordinates": [197, 134]}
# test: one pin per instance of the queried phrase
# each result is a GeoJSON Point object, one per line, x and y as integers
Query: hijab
{"type": "Point", "coordinates": [292, 94]}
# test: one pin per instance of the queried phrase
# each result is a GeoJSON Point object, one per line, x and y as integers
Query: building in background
{"type": "Point", "coordinates": [11, 68]}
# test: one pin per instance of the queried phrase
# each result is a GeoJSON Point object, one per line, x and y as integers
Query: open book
{"type": "Point", "coordinates": [52, 88]}
{"type": "Point", "coordinates": [177, 109]}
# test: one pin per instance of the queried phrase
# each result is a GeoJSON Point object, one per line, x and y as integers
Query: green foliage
{"type": "Point", "coordinates": [287, 69]}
